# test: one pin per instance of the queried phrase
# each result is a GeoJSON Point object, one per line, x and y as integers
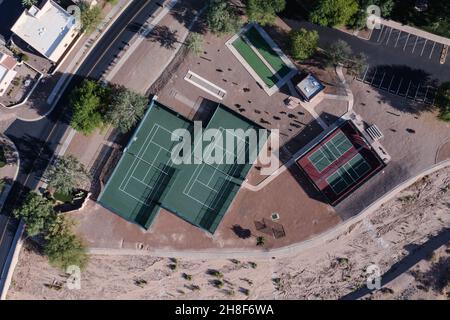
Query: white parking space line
{"type": "Point", "coordinates": [417, 91]}
{"type": "Point", "coordinates": [384, 74]}
{"type": "Point", "coordinates": [426, 93]}
{"type": "Point", "coordinates": [389, 36]}
{"type": "Point", "coordinates": [398, 38]}
{"type": "Point", "coordinates": [415, 44]}
{"type": "Point", "coordinates": [401, 81]}
{"type": "Point", "coordinates": [365, 73]}
{"type": "Point", "coordinates": [407, 39]}
{"type": "Point", "coordinates": [432, 50]}
{"type": "Point", "coordinates": [381, 32]}
{"type": "Point", "coordinates": [407, 90]}
{"type": "Point", "coordinates": [376, 70]}
{"type": "Point", "coordinates": [424, 45]}
{"type": "Point", "coordinates": [390, 84]}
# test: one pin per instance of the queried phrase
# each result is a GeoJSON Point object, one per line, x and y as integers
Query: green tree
{"type": "Point", "coordinates": [66, 174]}
{"type": "Point", "coordinates": [332, 13]}
{"type": "Point", "coordinates": [222, 18]}
{"type": "Point", "coordinates": [28, 3]}
{"type": "Point", "coordinates": [86, 101]}
{"type": "Point", "coordinates": [194, 43]}
{"type": "Point", "coordinates": [63, 248]}
{"type": "Point", "coordinates": [359, 19]}
{"type": "Point", "coordinates": [443, 101]}
{"type": "Point", "coordinates": [264, 11]}
{"type": "Point", "coordinates": [126, 108]}
{"type": "Point", "coordinates": [339, 52]}
{"type": "Point", "coordinates": [303, 43]}
{"type": "Point", "coordinates": [90, 17]}
{"type": "Point", "coordinates": [356, 64]}
{"type": "Point", "coordinates": [37, 213]}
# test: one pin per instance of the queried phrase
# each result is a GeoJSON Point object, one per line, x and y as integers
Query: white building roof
{"type": "Point", "coordinates": [7, 73]}
{"type": "Point", "coordinates": [48, 30]}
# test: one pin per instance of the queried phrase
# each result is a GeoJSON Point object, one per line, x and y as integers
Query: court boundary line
{"type": "Point", "coordinates": [351, 167]}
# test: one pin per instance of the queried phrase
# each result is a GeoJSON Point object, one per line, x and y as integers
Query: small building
{"type": "Point", "coordinates": [309, 87]}
{"type": "Point", "coordinates": [7, 73]}
{"type": "Point", "coordinates": [49, 29]}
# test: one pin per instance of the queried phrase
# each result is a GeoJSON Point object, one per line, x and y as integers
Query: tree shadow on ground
{"type": "Point", "coordinates": [437, 278]}
{"type": "Point", "coordinates": [166, 37]}
{"type": "Point", "coordinates": [403, 87]}
{"type": "Point", "coordinates": [241, 232]}
{"type": "Point", "coordinates": [34, 153]}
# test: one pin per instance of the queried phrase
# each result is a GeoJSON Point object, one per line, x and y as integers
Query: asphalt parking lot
{"type": "Point", "coordinates": [407, 43]}
{"type": "Point", "coordinates": [403, 82]}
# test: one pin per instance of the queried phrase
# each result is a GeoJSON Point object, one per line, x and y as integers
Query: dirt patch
{"type": "Point", "coordinates": [326, 271]}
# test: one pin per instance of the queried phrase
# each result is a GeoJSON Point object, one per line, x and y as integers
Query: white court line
{"type": "Point", "coordinates": [424, 45]}
{"type": "Point", "coordinates": [139, 155]}
{"type": "Point", "coordinates": [206, 185]}
{"type": "Point", "coordinates": [432, 50]}
{"type": "Point", "coordinates": [194, 178]}
{"type": "Point", "coordinates": [134, 160]}
{"type": "Point", "coordinates": [146, 144]}
{"type": "Point", "coordinates": [152, 165]}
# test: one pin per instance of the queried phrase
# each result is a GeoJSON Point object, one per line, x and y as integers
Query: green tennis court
{"type": "Point", "coordinates": [146, 179]}
{"type": "Point", "coordinates": [330, 151]}
{"type": "Point", "coordinates": [348, 174]}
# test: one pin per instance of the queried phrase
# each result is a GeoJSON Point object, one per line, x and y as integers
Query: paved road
{"type": "Point", "coordinates": [38, 140]}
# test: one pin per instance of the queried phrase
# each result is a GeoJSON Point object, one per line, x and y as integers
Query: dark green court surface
{"type": "Point", "coordinates": [348, 174]}
{"type": "Point", "coordinates": [330, 151]}
{"type": "Point", "coordinates": [146, 179]}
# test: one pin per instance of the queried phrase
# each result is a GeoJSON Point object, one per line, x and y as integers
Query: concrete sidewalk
{"type": "Point", "coordinates": [145, 69]}
{"type": "Point", "coordinates": [415, 31]}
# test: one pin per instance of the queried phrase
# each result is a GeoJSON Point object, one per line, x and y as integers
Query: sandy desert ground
{"type": "Point", "coordinates": [327, 271]}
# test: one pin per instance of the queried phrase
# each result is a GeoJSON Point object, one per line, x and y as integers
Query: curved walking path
{"type": "Point", "coordinates": [278, 252]}
{"type": "Point", "coordinates": [349, 98]}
